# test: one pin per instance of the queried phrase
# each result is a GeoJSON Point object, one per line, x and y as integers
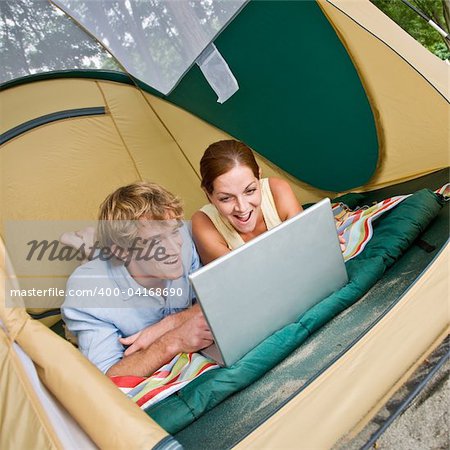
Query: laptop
{"type": "Point", "coordinates": [257, 289]}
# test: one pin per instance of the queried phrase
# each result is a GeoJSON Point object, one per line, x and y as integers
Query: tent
{"type": "Point", "coordinates": [332, 96]}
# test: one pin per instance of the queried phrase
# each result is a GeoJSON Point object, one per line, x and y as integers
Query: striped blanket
{"type": "Point", "coordinates": [168, 379]}
{"type": "Point", "coordinates": [357, 228]}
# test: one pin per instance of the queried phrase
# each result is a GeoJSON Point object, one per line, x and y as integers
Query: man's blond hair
{"type": "Point", "coordinates": [120, 212]}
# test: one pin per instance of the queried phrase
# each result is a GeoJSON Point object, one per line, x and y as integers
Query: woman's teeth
{"type": "Point", "coordinates": [243, 217]}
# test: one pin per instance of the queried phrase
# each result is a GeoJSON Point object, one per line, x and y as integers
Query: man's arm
{"type": "Point", "coordinates": [192, 335]}
{"type": "Point", "coordinates": [142, 339]}
{"type": "Point", "coordinates": [98, 338]}
{"type": "Point", "coordinates": [146, 337]}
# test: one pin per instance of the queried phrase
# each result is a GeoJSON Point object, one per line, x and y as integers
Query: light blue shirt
{"type": "Point", "coordinates": [104, 303]}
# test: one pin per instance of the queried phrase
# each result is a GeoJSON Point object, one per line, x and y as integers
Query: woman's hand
{"type": "Point", "coordinates": [82, 239]}
{"type": "Point", "coordinates": [342, 242]}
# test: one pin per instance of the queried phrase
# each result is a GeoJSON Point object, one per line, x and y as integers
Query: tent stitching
{"type": "Point", "coordinates": [168, 131]}
{"type": "Point", "coordinates": [137, 86]}
{"type": "Point", "coordinates": [387, 45]}
{"type": "Point", "coordinates": [118, 131]}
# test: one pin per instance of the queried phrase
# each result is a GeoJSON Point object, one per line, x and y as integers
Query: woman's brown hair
{"type": "Point", "coordinates": [221, 157]}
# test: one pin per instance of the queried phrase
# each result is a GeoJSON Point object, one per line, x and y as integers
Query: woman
{"type": "Point", "coordinates": [242, 205]}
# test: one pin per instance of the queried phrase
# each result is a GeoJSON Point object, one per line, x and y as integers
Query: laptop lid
{"type": "Point", "coordinates": [248, 294]}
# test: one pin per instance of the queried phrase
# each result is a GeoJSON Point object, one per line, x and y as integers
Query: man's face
{"type": "Point", "coordinates": [156, 253]}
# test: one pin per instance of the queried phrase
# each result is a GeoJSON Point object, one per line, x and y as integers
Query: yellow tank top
{"type": "Point", "coordinates": [231, 236]}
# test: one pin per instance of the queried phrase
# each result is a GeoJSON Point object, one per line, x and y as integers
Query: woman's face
{"type": "Point", "coordinates": [237, 196]}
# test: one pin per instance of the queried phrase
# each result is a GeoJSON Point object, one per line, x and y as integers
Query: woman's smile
{"type": "Point", "coordinates": [237, 197]}
{"type": "Point", "coordinates": [243, 217]}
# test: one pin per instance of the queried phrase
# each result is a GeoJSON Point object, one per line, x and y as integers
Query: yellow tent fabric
{"type": "Point", "coordinates": [63, 170]}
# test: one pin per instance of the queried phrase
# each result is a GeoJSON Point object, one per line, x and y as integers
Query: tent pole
{"type": "Point", "coordinates": [442, 32]}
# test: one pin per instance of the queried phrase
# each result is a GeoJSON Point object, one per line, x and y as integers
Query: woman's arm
{"type": "Point", "coordinates": [209, 242]}
{"type": "Point", "coordinates": [82, 240]}
{"type": "Point", "coordinates": [285, 200]}
{"type": "Point", "coordinates": [287, 204]}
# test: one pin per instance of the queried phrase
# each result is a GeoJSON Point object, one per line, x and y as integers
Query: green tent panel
{"type": "Point", "coordinates": [300, 102]}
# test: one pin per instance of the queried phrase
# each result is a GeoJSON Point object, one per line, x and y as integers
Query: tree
{"type": "Point", "coordinates": [149, 37]}
{"type": "Point", "coordinates": [36, 37]}
{"type": "Point", "coordinates": [155, 40]}
{"type": "Point", "coordinates": [412, 23]}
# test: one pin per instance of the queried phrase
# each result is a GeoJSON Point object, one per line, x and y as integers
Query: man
{"type": "Point", "coordinates": [137, 286]}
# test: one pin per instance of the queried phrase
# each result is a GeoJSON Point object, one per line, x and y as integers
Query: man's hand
{"type": "Point", "coordinates": [192, 335]}
{"type": "Point", "coordinates": [146, 337]}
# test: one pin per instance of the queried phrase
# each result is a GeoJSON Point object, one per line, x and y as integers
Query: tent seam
{"type": "Point", "coordinates": [390, 47]}
{"type": "Point", "coordinates": [108, 110]}
{"type": "Point", "coordinates": [168, 130]}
